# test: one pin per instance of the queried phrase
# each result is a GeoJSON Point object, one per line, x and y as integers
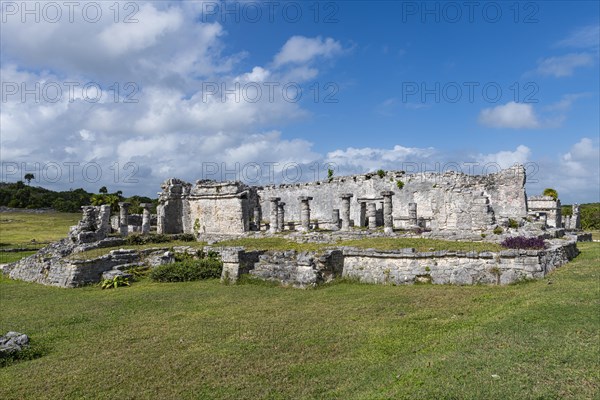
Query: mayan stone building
{"type": "Point", "coordinates": [449, 201]}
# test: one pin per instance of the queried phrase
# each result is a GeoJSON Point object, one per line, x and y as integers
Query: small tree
{"type": "Point", "coordinates": [103, 190]}
{"type": "Point", "coordinates": [551, 192]}
{"type": "Point", "coordinates": [28, 177]}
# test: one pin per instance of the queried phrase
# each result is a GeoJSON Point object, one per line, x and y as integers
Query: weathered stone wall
{"type": "Point", "coordinates": [218, 208]}
{"type": "Point", "coordinates": [448, 201]}
{"type": "Point", "coordinates": [206, 207]}
{"type": "Point", "coordinates": [548, 206]}
{"type": "Point", "coordinates": [443, 267]}
{"type": "Point", "coordinates": [301, 270]}
{"type": "Point", "coordinates": [48, 267]}
{"type": "Point", "coordinates": [171, 211]}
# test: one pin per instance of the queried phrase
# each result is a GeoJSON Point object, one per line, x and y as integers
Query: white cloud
{"type": "Point", "coordinates": [301, 50]}
{"type": "Point", "coordinates": [561, 66]}
{"type": "Point", "coordinates": [119, 39]}
{"type": "Point", "coordinates": [510, 115]}
{"type": "Point", "coordinates": [86, 135]}
{"type": "Point", "coordinates": [370, 159]}
{"type": "Point", "coordinates": [565, 103]}
{"type": "Point", "coordinates": [575, 174]}
{"type": "Point", "coordinates": [506, 159]}
{"type": "Point", "coordinates": [582, 159]}
{"type": "Point", "coordinates": [584, 37]}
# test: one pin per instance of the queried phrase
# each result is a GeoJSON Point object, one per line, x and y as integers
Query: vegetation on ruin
{"type": "Point", "coordinates": [522, 242]}
{"type": "Point", "coordinates": [550, 192]}
{"type": "Point", "coordinates": [419, 244]}
{"type": "Point", "coordinates": [378, 243]}
{"type": "Point", "coordinates": [272, 243]}
{"type": "Point", "coordinates": [347, 340]}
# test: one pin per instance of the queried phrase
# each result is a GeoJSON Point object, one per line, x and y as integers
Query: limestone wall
{"type": "Point", "coordinates": [49, 268]}
{"type": "Point", "coordinates": [404, 266]}
{"type": "Point", "coordinates": [460, 268]}
{"type": "Point", "coordinates": [448, 201]}
{"type": "Point", "coordinates": [548, 206]}
{"type": "Point", "coordinates": [206, 207]}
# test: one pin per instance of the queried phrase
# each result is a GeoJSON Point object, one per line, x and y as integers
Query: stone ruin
{"type": "Point", "coordinates": [443, 203]}
{"type": "Point", "coordinates": [438, 202]}
{"type": "Point", "coordinates": [342, 207]}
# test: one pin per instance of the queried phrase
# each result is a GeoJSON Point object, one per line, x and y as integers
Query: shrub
{"type": "Point", "coordinates": [551, 192]}
{"type": "Point", "coordinates": [498, 230]}
{"type": "Point", "coordinates": [512, 223]}
{"type": "Point", "coordinates": [188, 270]}
{"type": "Point", "coordinates": [114, 283]}
{"type": "Point", "coordinates": [136, 238]}
{"type": "Point", "coordinates": [381, 173]}
{"type": "Point", "coordinates": [400, 184]}
{"type": "Point", "coordinates": [522, 242]}
{"type": "Point", "coordinates": [184, 237]}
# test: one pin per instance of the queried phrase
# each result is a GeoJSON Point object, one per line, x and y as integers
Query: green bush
{"type": "Point", "coordinates": [381, 173]}
{"type": "Point", "coordinates": [114, 283]}
{"type": "Point", "coordinates": [550, 192]}
{"type": "Point", "coordinates": [188, 270]}
{"type": "Point", "coordinates": [498, 230]}
{"type": "Point", "coordinates": [400, 184]}
{"type": "Point", "coordinates": [136, 238]}
{"type": "Point", "coordinates": [512, 223]}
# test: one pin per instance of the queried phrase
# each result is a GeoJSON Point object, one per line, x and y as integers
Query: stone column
{"type": "Point", "coordinates": [124, 218]}
{"type": "Point", "coordinates": [567, 223]}
{"type": "Point", "coordinates": [372, 215]}
{"type": "Point", "coordinates": [257, 218]}
{"type": "Point", "coordinates": [145, 218]}
{"type": "Point", "coordinates": [575, 219]}
{"type": "Point", "coordinates": [104, 221]}
{"type": "Point", "coordinates": [280, 216]}
{"type": "Point", "coordinates": [335, 218]}
{"type": "Point", "coordinates": [346, 211]}
{"type": "Point", "coordinates": [273, 217]}
{"type": "Point", "coordinates": [388, 219]}
{"type": "Point", "coordinates": [412, 215]}
{"type": "Point", "coordinates": [305, 212]}
{"type": "Point", "coordinates": [363, 214]}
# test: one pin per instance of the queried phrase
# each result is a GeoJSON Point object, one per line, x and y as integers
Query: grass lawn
{"type": "Point", "coordinates": [282, 244]}
{"type": "Point", "coordinates": [380, 243]}
{"type": "Point", "coordinates": [344, 341]}
{"type": "Point", "coordinates": [20, 228]}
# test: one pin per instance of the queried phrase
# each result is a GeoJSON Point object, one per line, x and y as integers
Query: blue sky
{"type": "Point", "coordinates": [373, 59]}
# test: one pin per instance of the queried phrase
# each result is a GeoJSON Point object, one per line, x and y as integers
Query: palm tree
{"type": "Point", "coordinates": [28, 177]}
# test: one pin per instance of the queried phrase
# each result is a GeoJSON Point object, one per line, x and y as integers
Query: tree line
{"type": "Point", "coordinates": [20, 195]}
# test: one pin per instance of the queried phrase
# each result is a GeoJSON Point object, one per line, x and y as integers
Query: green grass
{"type": "Point", "coordinates": [282, 244]}
{"type": "Point", "coordinates": [272, 243]}
{"type": "Point", "coordinates": [345, 341]}
{"type": "Point", "coordinates": [20, 228]}
{"type": "Point", "coordinates": [9, 257]}
{"type": "Point", "coordinates": [420, 244]}
{"type": "Point", "coordinates": [380, 243]}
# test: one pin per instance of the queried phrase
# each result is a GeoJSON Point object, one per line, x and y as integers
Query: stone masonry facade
{"type": "Point", "coordinates": [450, 201]}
